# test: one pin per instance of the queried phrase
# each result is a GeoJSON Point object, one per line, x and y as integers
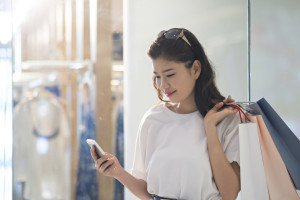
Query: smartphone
{"type": "Point", "coordinates": [99, 150]}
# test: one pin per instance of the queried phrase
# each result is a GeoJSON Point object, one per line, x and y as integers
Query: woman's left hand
{"type": "Point", "coordinates": [213, 117]}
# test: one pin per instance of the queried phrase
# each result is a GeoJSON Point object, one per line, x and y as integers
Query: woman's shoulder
{"type": "Point", "coordinates": [157, 106]}
{"type": "Point", "coordinates": [230, 122]}
{"type": "Point", "coordinates": [228, 126]}
{"type": "Point", "coordinates": [155, 112]}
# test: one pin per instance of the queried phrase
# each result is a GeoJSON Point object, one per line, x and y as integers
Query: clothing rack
{"type": "Point", "coordinates": [70, 76]}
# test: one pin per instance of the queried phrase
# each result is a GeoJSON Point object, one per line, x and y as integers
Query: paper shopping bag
{"type": "Point", "coordinates": [253, 178]}
{"type": "Point", "coordinates": [279, 183]}
{"type": "Point", "coordinates": [285, 140]}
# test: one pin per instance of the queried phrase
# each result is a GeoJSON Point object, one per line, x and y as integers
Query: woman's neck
{"type": "Point", "coordinates": [184, 107]}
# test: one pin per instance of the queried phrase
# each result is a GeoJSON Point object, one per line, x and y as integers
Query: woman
{"type": "Point", "coordinates": [187, 148]}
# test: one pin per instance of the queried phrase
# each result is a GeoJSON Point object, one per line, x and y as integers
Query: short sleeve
{"type": "Point", "coordinates": [138, 169]}
{"type": "Point", "coordinates": [229, 131]}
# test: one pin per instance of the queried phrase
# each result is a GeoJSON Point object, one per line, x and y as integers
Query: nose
{"type": "Point", "coordinates": [163, 83]}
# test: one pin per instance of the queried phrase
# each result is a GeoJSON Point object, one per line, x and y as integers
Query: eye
{"type": "Point", "coordinates": [157, 77]}
{"type": "Point", "coordinates": [170, 75]}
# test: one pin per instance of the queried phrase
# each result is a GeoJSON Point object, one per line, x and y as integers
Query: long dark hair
{"type": "Point", "coordinates": [206, 92]}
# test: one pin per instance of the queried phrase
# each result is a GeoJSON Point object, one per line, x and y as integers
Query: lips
{"type": "Point", "coordinates": [170, 93]}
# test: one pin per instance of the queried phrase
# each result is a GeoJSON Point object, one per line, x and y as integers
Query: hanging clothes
{"type": "Point", "coordinates": [41, 148]}
{"type": "Point", "coordinates": [54, 89]}
{"type": "Point", "coordinates": [87, 185]}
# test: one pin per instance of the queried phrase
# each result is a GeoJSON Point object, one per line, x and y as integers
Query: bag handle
{"type": "Point", "coordinates": [240, 110]}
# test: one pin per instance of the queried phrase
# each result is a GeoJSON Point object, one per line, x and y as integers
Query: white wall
{"type": "Point", "coordinates": [275, 53]}
{"type": "Point", "coordinates": [221, 27]}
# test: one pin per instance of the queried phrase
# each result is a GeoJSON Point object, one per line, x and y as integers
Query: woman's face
{"type": "Point", "coordinates": [175, 80]}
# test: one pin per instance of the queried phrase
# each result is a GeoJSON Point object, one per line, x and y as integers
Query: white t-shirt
{"type": "Point", "coordinates": [171, 153]}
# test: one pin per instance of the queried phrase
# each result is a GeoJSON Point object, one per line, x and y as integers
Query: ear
{"type": "Point", "coordinates": [196, 69]}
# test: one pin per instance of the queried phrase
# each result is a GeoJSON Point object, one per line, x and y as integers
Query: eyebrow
{"type": "Point", "coordinates": [167, 70]}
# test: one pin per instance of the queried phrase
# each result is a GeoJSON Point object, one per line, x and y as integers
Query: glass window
{"type": "Point", "coordinates": [275, 53]}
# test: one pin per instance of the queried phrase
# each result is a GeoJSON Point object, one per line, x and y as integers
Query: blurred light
{"type": "Point", "coordinates": [42, 145]}
{"type": "Point", "coordinates": [59, 23]}
{"type": "Point", "coordinates": [115, 82]}
{"type": "Point", "coordinates": [68, 29]}
{"type": "Point", "coordinates": [79, 29]}
{"type": "Point", "coordinates": [119, 68]}
{"type": "Point", "coordinates": [22, 9]}
{"type": "Point", "coordinates": [35, 83]}
{"type": "Point", "coordinates": [93, 29]}
{"type": "Point", "coordinates": [52, 77]}
{"type": "Point", "coordinates": [6, 129]}
{"type": "Point", "coordinates": [6, 27]}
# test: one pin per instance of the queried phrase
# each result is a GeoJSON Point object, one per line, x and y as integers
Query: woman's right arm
{"type": "Point", "coordinates": [109, 165]}
{"type": "Point", "coordinates": [136, 186]}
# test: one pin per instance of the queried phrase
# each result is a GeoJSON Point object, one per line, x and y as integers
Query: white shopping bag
{"type": "Point", "coordinates": [253, 179]}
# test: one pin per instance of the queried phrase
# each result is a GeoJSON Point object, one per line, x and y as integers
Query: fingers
{"type": "Point", "coordinates": [94, 154]}
{"type": "Point", "coordinates": [101, 160]}
{"type": "Point", "coordinates": [229, 110]}
{"type": "Point", "coordinates": [232, 110]}
{"type": "Point", "coordinates": [218, 106]}
{"type": "Point", "coordinates": [106, 165]}
{"type": "Point", "coordinates": [229, 99]}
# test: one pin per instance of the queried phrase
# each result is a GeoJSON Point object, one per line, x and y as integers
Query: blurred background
{"type": "Point", "coordinates": [64, 78]}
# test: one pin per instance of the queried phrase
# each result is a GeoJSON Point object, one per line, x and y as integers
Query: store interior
{"type": "Point", "coordinates": [65, 79]}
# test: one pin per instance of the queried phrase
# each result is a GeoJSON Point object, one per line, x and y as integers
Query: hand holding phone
{"type": "Point", "coordinates": [109, 164]}
{"type": "Point", "coordinates": [99, 150]}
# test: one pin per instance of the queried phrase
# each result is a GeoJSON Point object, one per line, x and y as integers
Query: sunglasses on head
{"type": "Point", "coordinates": [174, 34]}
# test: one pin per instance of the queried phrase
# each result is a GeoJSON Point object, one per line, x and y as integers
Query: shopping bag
{"type": "Point", "coordinates": [280, 185]}
{"type": "Point", "coordinates": [253, 179]}
{"type": "Point", "coordinates": [285, 140]}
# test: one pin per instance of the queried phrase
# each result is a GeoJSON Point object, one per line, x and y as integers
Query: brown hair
{"type": "Point", "coordinates": [206, 92]}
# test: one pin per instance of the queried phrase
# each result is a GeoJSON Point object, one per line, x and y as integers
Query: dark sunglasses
{"type": "Point", "coordinates": [174, 34]}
